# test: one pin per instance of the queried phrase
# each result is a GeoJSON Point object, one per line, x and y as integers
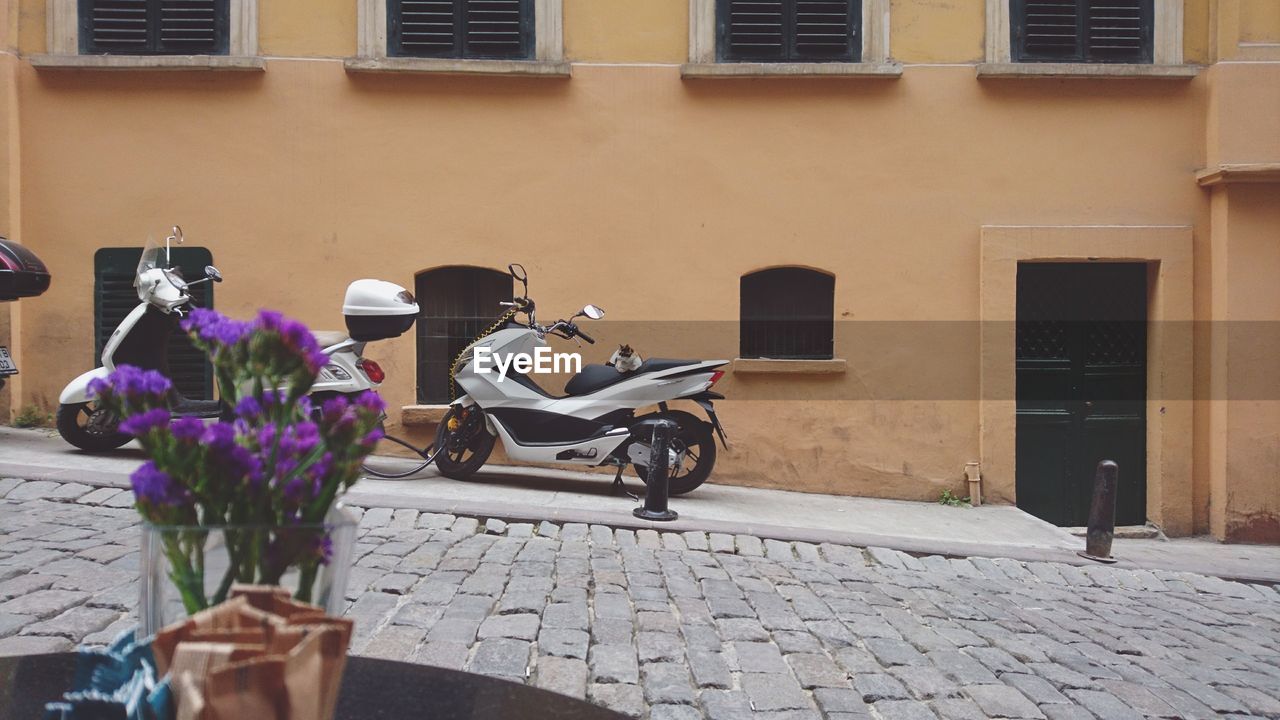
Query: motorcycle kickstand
{"type": "Point", "coordinates": [619, 488]}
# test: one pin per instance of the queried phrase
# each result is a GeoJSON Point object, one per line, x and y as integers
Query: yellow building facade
{"type": "Point", "coordinates": [624, 163]}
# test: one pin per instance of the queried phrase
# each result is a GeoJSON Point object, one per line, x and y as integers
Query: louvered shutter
{"type": "Point", "coordinates": [115, 297]}
{"type": "Point", "coordinates": [477, 29]}
{"type": "Point", "coordinates": [1083, 30]}
{"type": "Point", "coordinates": [789, 30]}
{"type": "Point", "coordinates": [154, 27]}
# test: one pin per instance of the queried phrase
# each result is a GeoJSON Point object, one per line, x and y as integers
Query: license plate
{"type": "Point", "coordinates": [7, 365]}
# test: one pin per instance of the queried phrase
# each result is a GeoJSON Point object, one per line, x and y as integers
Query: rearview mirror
{"type": "Point", "coordinates": [592, 312]}
{"type": "Point", "coordinates": [212, 273]}
{"type": "Point", "coordinates": [517, 272]}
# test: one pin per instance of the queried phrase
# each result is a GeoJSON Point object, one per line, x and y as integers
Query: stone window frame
{"type": "Point", "coordinates": [1167, 50]}
{"type": "Point", "coordinates": [548, 47]}
{"type": "Point", "coordinates": [875, 61]}
{"type": "Point", "coordinates": [62, 44]}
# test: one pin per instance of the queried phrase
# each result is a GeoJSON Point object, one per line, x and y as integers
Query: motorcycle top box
{"type": "Point", "coordinates": [21, 272]}
{"type": "Point", "coordinates": [378, 310]}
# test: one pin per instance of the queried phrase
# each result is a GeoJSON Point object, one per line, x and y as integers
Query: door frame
{"type": "Point", "coordinates": [1167, 250]}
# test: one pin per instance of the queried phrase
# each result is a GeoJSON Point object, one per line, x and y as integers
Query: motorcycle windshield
{"type": "Point", "coordinates": [153, 256]}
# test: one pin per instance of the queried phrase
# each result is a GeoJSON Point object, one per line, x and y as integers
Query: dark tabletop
{"type": "Point", "coordinates": [371, 689]}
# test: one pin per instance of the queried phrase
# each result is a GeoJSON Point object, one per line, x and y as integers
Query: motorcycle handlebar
{"type": "Point", "coordinates": [586, 337]}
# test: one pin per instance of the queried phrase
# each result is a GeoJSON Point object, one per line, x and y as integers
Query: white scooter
{"type": "Point", "coordinates": [374, 310]}
{"type": "Point", "coordinates": [594, 423]}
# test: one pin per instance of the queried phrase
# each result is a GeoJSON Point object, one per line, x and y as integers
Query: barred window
{"type": "Point", "coordinates": [787, 313]}
{"type": "Point", "coordinates": [457, 304]}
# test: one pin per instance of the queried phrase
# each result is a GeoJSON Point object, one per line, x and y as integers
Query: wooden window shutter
{"type": "Point", "coordinates": [471, 29]}
{"type": "Point", "coordinates": [154, 27]}
{"type": "Point", "coordinates": [789, 30]}
{"type": "Point", "coordinates": [1102, 31]}
{"type": "Point", "coordinates": [114, 297]}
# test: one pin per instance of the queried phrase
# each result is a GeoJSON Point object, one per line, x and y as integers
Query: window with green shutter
{"type": "Point", "coordinates": [114, 297]}
{"type": "Point", "coordinates": [467, 29]}
{"type": "Point", "coordinates": [789, 30]}
{"type": "Point", "coordinates": [1091, 31]}
{"type": "Point", "coordinates": [154, 27]}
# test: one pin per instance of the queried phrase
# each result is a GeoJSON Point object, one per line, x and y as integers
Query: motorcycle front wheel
{"type": "Point", "coordinates": [464, 448]}
{"type": "Point", "coordinates": [697, 441]}
{"type": "Point", "coordinates": [89, 427]}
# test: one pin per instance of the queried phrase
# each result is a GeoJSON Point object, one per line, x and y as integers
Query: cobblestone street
{"type": "Point", "coordinates": [671, 626]}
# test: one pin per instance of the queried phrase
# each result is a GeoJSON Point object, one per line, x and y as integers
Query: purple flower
{"type": "Point", "coordinates": [371, 401]}
{"type": "Point", "coordinates": [187, 429]}
{"type": "Point", "coordinates": [372, 438]}
{"type": "Point", "coordinates": [214, 328]}
{"type": "Point", "coordinates": [155, 487]}
{"type": "Point", "coordinates": [139, 425]}
{"type": "Point", "coordinates": [324, 548]}
{"type": "Point", "coordinates": [219, 436]}
{"type": "Point", "coordinates": [132, 384]}
{"type": "Point", "coordinates": [248, 408]}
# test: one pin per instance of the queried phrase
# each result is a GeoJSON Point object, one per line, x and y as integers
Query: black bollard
{"type": "Point", "coordinates": [655, 498]}
{"type": "Point", "coordinates": [1102, 513]}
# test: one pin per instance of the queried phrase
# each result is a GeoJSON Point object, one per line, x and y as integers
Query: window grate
{"type": "Point", "coordinates": [457, 304]}
{"type": "Point", "coordinates": [787, 313]}
{"type": "Point", "coordinates": [154, 27]}
{"type": "Point", "coordinates": [789, 30]}
{"type": "Point", "coordinates": [1102, 31]}
{"type": "Point", "coordinates": [476, 29]}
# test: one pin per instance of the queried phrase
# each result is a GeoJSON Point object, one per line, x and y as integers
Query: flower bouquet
{"type": "Point", "coordinates": [250, 498]}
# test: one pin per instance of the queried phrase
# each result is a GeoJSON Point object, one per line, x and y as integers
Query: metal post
{"type": "Point", "coordinates": [655, 498]}
{"type": "Point", "coordinates": [1102, 513]}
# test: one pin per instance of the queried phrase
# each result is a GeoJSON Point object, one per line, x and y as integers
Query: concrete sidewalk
{"type": "Point", "coordinates": [535, 494]}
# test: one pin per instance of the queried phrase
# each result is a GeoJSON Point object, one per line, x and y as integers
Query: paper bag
{"type": "Point", "coordinates": [261, 654]}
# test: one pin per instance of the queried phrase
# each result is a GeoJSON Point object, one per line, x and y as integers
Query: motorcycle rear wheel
{"type": "Point", "coordinates": [463, 451]}
{"type": "Point", "coordinates": [698, 439]}
{"type": "Point", "coordinates": [80, 425]}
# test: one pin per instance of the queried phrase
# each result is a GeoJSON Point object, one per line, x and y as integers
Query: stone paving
{"type": "Point", "coordinates": [672, 626]}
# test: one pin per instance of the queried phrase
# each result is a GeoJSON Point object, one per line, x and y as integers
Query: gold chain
{"type": "Point", "coordinates": [453, 368]}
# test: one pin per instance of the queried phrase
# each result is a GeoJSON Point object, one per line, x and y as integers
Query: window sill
{"type": "Point", "coordinates": [525, 68]}
{"type": "Point", "coordinates": [761, 366]}
{"type": "Point", "coordinates": [148, 62]}
{"type": "Point", "coordinates": [805, 70]}
{"type": "Point", "coordinates": [1087, 70]}
{"type": "Point", "coordinates": [1228, 174]}
{"type": "Point", "coordinates": [414, 415]}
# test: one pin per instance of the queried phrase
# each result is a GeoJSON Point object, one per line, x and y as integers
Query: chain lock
{"type": "Point", "coordinates": [520, 304]}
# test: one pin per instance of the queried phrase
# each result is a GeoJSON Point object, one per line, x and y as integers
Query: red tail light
{"type": "Point", "coordinates": [715, 377]}
{"type": "Point", "coordinates": [373, 370]}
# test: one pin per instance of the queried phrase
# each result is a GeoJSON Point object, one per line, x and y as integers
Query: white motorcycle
{"type": "Point", "coordinates": [374, 310]}
{"type": "Point", "coordinates": [594, 423]}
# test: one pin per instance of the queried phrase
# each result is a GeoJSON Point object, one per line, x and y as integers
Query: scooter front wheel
{"type": "Point", "coordinates": [89, 427]}
{"type": "Point", "coordinates": [464, 447]}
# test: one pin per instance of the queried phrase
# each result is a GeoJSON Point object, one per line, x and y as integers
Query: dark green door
{"type": "Point", "coordinates": [114, 297]}
{"type": "Point", "coordinates": [1081, 397]}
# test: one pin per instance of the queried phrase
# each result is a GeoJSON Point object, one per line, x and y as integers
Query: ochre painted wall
{"type": "Point", "coordinates": [303, 178]}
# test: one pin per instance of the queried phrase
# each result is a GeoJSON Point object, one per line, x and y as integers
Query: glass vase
{"type": "Point", "coordinates": [188, 568]}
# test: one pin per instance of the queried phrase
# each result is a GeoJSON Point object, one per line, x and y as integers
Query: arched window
{"type": "Point", "coordinates": [457, 304]}
{"type": "Point", "coordinates": [787, 313]}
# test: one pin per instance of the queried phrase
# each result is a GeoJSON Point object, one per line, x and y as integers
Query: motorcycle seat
{"type": "Point", "coordinates": [329, 338]}
{"type": "Point", "coordinates": [598, 377]}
